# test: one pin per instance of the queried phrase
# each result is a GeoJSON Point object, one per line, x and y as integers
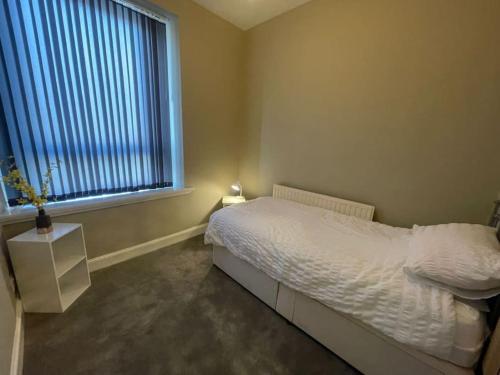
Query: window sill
{"type": "Point", "coordinates": [15, 215]}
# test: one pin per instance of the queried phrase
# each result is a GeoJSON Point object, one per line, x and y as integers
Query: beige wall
{"type": "Point", "coordinates": [393, 103]}
{"type": "Point", "coordinates": [7, 312]}
{"type": "Point", "coordinates": [389, 102]}
{"type": "Point", "coordinates": [211, 63]}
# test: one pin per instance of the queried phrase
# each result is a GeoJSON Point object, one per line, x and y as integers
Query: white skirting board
{"type": "Point", "coordinates": [119, 256]}
{"type": "Point", "coordinates": [16, 363]}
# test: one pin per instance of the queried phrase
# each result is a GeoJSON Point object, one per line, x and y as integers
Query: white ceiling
{"type": "Point", "coordinates": [248, 13]}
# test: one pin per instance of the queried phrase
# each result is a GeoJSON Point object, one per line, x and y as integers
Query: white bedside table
{"type": "Point", "coordinates": [51, 269]}
{"type": "Point", "coordinates": [229, 200]}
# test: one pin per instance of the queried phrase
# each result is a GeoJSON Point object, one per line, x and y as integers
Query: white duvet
{"type": "Point", "coordinates": [351, 265]}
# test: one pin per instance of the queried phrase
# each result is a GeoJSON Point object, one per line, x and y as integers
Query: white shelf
{"type": "Point", "coordinates": [68, 250]}
{"type": "Point", "coordinates": [229, 200]}
{"type": "Point", "coordinates": [51, 270]}
{"type": "Point", "coordinates": [60, 230]}
{"type": "Point", "coordinates": [67, 264]}
{"type": "Point", "coordinates": [73, 284]}
{"type": "Point", "coordinates": [72, 295]}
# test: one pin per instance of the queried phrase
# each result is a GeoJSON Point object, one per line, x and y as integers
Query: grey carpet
{"type": "Point", "coordinates": [171, 312]}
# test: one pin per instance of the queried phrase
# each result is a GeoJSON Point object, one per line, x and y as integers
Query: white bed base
{"type": "Point", "coordinates": [366, 349]}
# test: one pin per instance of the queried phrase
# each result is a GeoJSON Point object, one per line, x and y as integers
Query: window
{"type": "Point", "coordinates": [91, 86]}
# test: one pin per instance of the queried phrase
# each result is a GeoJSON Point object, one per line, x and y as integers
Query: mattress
{"type": "Point", "coordinates": [353, 266]}
{"type": "Point", "coordinates": [470, 332]}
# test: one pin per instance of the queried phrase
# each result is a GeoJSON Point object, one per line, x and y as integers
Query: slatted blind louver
{"type": "Point", "coordinates": [84, 85]}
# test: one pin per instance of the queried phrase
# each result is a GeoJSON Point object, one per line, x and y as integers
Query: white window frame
{"type": "Point", "coordinates": [16, 214]}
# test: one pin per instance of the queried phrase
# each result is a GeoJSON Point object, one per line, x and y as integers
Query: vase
{"type": "Point", "coordinates": [43, 223]}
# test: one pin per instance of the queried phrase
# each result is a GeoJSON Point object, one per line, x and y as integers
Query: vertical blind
{"type": "Point", "coordinates": [84, 87]}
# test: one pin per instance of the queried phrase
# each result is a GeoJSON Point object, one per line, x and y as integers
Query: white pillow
{"type": "Point", "coordinates": [463, 258]}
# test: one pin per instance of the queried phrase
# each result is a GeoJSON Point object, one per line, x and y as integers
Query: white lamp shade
{"type": "Point", "coordinates": [237, 187]}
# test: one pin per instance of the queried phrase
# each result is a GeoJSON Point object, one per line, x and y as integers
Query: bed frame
{"type": "Point", "coordinates": [370, 351]}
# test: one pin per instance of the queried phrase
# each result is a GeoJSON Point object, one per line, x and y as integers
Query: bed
{"type": "Point", "coordinates": [336, 326]}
